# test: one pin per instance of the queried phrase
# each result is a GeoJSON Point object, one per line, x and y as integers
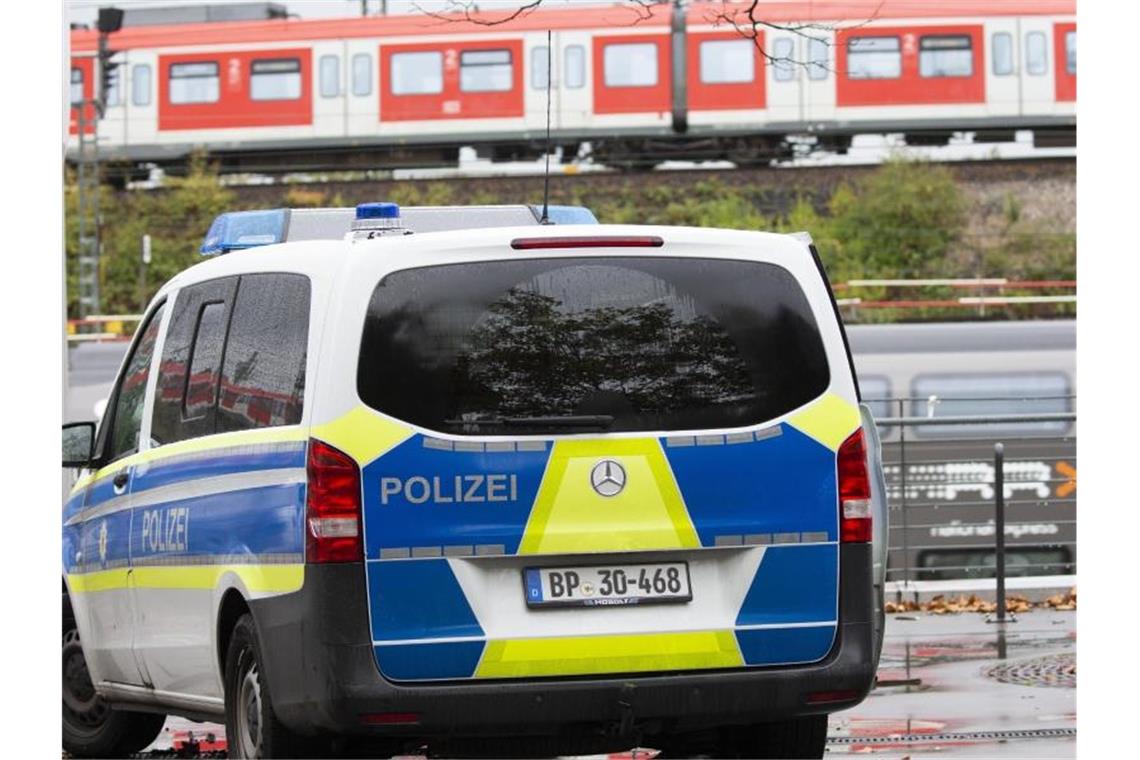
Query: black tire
{"type": "Point", "coordinates": [91, 727]}
{"type": "Point", "coordinates": [804, 737]}
{"type": "Point", "coordinates": [252, 727]}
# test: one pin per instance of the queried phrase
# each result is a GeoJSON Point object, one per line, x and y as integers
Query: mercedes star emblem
{"type": "Point", "coordinates": [607, 478]}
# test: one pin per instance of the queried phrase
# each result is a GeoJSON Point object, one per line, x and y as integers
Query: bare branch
{"type": "Point", "coordinates": [469, 11]}
{"type": "Point", "coordinates": [748, 23]}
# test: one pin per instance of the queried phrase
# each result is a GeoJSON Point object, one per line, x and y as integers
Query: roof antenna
{"type": "Point", "coordinates": [546, 179]}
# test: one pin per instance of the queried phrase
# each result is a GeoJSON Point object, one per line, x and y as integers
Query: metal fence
{"type": "Point", "coordinates": [943, 490]}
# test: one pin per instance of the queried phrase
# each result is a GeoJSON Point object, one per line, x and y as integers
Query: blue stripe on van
{"type": "Point", "coordinates": [435, 516]}
{"type": "Point", "coordinates": [782, 484]}
{"type": "Point", "coordinates": [265, 520]}
{"type": "Point", "coordinates": [794, 584]}
{"type": "Point", "coordinates": [413, 662]}
{"type": "Point", "coordinates": [417, 599]}
{"type": "Point", "coordinates": [780, 646]}
{"type": "Point", "coordinates": [193, 467]}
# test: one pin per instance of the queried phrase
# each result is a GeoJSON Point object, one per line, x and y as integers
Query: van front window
{"type": "Point", "coordinates": [539, 346]}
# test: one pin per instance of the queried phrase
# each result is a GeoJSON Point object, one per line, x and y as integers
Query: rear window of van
{"type": "Point", "coordinates": [564, 345]}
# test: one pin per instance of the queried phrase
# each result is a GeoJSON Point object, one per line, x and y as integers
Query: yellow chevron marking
{"type": "Point", "coordinates": [829, 420]}
{"type": "Point", "coordinates": [570, 517]}
{"type": "Point", "coordinates": [363, 434]}
{"type": "Point", "coordinates": [256, 578]}
{"type": "Point", "coordinates": [625, 653]}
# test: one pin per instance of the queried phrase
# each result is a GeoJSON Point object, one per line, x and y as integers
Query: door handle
{"type": "Point", "coordinates": [120, 481]}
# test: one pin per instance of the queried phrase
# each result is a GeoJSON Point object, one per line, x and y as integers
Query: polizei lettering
{"type": "Point", "coordinates": [166, 530]}
{"type": "Point", "coordinates": [458, 489]}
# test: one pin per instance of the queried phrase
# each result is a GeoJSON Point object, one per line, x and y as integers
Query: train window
{"type": "Point", "coordinates": [1071, 52]}
{"type": "Point", "coordinates": [1036, 54]}
{"type": "Point", "coordinates": [277, 79]}
{"type": "Point", "coordinates": [818, 63]}
{"type": "Point", "coordinates": [539, 67]}
{"type": "Point", "coordinates": [486, 71]}
{"type": "Point", "coordinates": [784, 67]}
{"type": "Point", "coordinates": [574, 76]}
{"type": "Point", "coordinates": [945, 56]}
{"type": "Point", "coordinates": [263, 373]}
{"type": "Point", "coordinates": [990, 394]}
{"type": "Point", "coordinates": [874, 58]}
{"type": "Point", "coordinates": [417, 73]}
{"type": "Point", "coordinates": [76, 86]}
{"type": "Point", "coordinates": [1020, 561]}
{"type": "Point", "coordinates": [362, 74]}
{"type": "Point", "coordinates": [876, 394]}
{"type": "Point", "coordinates": [630, 65]}
{"type": "Point", "coordinates": [727, 61]}
{"type": "Point", "coordinates": [330, 76]}
{"type": "Point", "coordinates": [194, 82]}
{"type": "Point", "coordinates": [1003, 54]}
{"type": "Point", "coordinates": [140, 84]}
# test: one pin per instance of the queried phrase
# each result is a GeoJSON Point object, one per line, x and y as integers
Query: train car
{"type": "Point", "coordinates": [380, 90]}
{"type": "Point", "coordinates": [940, 478]}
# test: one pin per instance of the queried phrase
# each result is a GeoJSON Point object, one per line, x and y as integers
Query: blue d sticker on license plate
{"type": "Point", "coordinates": [607, 585]}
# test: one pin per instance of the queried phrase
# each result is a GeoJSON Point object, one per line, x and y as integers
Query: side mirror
{"type": "Point", "coordinates": [78, 444]}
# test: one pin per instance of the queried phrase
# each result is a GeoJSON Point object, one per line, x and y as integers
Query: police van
{"type": "Point", "coordinates": [452, 476]}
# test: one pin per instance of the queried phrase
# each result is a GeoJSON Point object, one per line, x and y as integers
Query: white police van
{"type": "Point", "coordinates": [467, 479]}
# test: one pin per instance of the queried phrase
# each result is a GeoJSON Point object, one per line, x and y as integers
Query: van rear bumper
{"type": "Point", "coordinates": [322, 676]}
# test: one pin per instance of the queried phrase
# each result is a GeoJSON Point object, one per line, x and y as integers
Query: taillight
{"type": "Point", "coordinates": [332, 506]}
{"type": "Point", "coordinates": [611, 241]}
{"type": "Point", "coordinates": [854, 491]}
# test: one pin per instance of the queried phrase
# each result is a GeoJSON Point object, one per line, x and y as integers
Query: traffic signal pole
{"type": "Point", "coordinates": [90, 111]}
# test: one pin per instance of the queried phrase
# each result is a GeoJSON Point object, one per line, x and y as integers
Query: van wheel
{"type": "Point", "coordinates": [804, 737]}
{"type": "Point", "coordinates": [91, 727]}
{"type": "Point", "coordinates": [252, 727]}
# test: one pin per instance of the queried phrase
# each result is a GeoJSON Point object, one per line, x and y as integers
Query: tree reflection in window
{"type": "Point", "coordinates": [529, 357]}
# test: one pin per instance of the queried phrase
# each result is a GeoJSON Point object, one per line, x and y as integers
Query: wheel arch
{"type": "Point", "coordinates": [232, 606]}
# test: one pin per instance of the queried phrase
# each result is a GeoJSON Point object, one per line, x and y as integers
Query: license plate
{"type": "Point", "coordinates": [607, 585]}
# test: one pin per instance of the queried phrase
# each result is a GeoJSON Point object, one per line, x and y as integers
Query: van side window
{"type": "Point", "coordinates": [126, 418]}
{"type": "Point", "coordinates": [205, 358]}
{"type": "Point", "coordinates": [263, 374]}
{"type": "Point", "coordinates": [191, 357]}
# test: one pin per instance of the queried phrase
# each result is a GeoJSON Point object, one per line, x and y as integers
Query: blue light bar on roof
{"type": "Point", "coordinates": [567, 214]}
{"type": "Point", "coordinates": [237, 230]}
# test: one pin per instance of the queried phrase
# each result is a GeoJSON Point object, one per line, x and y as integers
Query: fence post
{"type": "Point", "coordinates": [999, 527]}
{"type": "Point", "coordinates": [902, 508]}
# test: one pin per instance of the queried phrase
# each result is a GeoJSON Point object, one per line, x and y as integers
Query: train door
{"type": "Point", "coordinates": [330, 88]}
{"type": "Point", "coordinates": [362, 86]}
{"type": "Point", "coordinates": [575, 88]}
{"type": "Point", "coordinates": [1003, 66]}
{"type": "Point", "coordinates": [1036, 65]}
{"type": "Point", "coordinates": [140, 96]}
{"type": "Point", "coordinates": [819, 70]}
{"type": "Point", "coordinates": [569, 81]}
{"type": "Point", "coordinates": [785, 77]}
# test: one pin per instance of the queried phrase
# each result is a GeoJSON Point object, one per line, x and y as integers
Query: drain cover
{"type": "Point", "coordinates": [1051, 670]}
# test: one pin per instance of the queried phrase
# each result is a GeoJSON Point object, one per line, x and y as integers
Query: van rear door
{"type": "Point", "coordinates": [669, 421]}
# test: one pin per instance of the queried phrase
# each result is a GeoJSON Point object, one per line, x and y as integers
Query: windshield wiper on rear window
{"type": "Point", "coordinates": [555, 421]}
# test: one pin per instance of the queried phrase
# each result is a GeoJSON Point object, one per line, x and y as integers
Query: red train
{"type": "Point", "coordinates": [377, 90]}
